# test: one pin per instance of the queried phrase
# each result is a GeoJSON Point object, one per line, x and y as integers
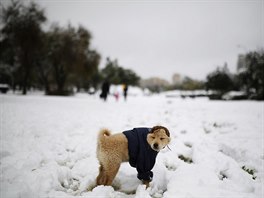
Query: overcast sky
{"type": "Point", "coordinates": [160, 38]}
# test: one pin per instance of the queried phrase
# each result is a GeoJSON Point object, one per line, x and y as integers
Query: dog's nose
{"type": "Point", "coordinates": [156, 145]}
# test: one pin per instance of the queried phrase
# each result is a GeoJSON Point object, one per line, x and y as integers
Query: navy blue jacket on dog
{"type": "Point", "coordinates": [141, 155]}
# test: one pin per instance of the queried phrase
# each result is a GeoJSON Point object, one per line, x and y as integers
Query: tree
{"type": "Point", "coordinates": [72, 62]}
{"type": "Point", "coordinates": [220, 80]}
{"type": "Point", "coordinates": [44, 67]}
{"type": "Point", "coordinates": [116, 74]}
{"type": "Point", "coordinates": [191, 84]}
{"type": "Point", "coordinates": [87, 61]}
{"type": "Point", "coordinates": [20, 39]}
{"type": "Point", "coordinates": [251, 73]}
{"type": "Point", "coordinates": [87, 70]}
{"type": "Point", "coordinates": [91, 66]}
{"type": "Point", "coordinates": [62, 56]}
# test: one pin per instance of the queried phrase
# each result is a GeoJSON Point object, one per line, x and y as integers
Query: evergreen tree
{"type": "Point", "coordinates": [251, 73]}
{"type": "Point", "coordinates": [220, 80]}
{"type": "Point", "coordinates": [116, 74]}
{"type": "Point", "coordinates": [20, 40]}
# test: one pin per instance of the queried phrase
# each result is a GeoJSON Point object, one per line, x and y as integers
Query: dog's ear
{"type": "Point", "coordinates": [160, 127]}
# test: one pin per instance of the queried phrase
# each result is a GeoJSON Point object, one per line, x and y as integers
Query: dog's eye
{"type": "Point", "coordinates": [152, 137]}
{"type": "Point", "coordinates": [162, 138]}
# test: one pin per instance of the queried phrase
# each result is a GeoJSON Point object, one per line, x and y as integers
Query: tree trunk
{"type": "Point", "coordinates": [25, 82]}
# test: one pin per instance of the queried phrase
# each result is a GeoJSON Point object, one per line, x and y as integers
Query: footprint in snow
{"type": "Point", "coordinates": [188, 144]}
{"type": "Point", "coordinates": [170, 166]}
{"type": "Point", "coordinates": [183, 132]}
{"type": "Point", "coordinates": [186, 159]}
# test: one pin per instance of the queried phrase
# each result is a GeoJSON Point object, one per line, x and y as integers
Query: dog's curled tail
{"type": "Point", "coordinates": [103, 133]}
{"type": "Point", "coordinates": [101, 137]}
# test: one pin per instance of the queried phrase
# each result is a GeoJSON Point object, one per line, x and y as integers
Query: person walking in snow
{"type": "Point", "coordinates": [125, 88]}
{"type": "Point", "coordinates": [105, 90]}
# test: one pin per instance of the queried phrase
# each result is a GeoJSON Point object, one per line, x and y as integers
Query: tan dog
{"type": "Point", "coordinates": [139, 146]}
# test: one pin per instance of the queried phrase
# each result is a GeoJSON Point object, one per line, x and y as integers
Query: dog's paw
{"type": "Point", "coordinates": [146, 182]}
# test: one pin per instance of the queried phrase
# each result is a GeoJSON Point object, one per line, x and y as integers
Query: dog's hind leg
{"type": "Point", "coordinates": [111, 173]}
{"type": "Point", "coordinates": [101, 178]}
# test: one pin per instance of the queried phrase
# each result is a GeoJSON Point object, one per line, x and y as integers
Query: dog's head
{"type": "Point", "coordinates": [158, 138]}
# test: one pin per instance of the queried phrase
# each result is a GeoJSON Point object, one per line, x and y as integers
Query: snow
{"type": "Point", "coordinates": [132, 90]}
{"type": "Point", "coordinates": [48, 146]}
{"type": "Point", "coordinates": [231, 94]}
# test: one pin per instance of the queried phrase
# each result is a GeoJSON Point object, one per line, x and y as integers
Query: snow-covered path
{"type": "Point", "coordinates": [48, 146]}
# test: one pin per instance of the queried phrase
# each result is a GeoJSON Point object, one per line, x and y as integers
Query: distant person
{"type": "Point", "coordinates": [105, 90]}
{"type": "Point", "coordinates": [116, 95]}
{"type": "Point", "coordinates": [125, 88]}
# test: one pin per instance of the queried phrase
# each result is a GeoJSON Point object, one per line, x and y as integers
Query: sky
{"type": "Point", "coordinates": [160, 38]}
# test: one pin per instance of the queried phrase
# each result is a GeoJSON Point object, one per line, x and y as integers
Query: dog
{"type": "Point", "coordinates": [138, 146]}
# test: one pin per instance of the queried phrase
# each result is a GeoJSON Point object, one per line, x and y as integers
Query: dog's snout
{"type": "Point", "coordinates": [156, 145]}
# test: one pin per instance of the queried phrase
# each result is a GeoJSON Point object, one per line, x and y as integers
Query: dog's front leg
{"type": "Point", "coordinates": [146, 182]}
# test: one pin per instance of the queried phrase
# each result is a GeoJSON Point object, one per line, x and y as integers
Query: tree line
{"type": "Point", "coordinates": [55, 60]}
{"type": "Point", "coordinates": [249, 77]}
{"type": "Point", "coordinates": [61, 58]}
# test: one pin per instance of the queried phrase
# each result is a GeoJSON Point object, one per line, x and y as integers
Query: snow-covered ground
{"type": "Point", "coordinates": [48, 146]}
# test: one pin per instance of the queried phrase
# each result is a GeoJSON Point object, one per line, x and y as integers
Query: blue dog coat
{"type": "Point", "coordinates": [141, 155]}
